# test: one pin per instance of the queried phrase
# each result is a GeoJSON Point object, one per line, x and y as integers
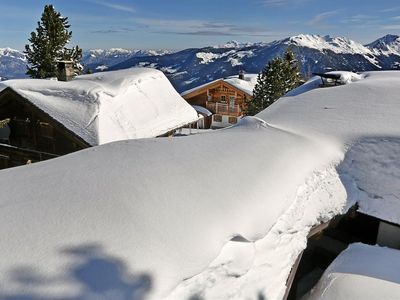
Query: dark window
{"type": "Point", "coordinates": [21, 128]}
{"type": "Point", "coordinates": [46, 130]}
{"type": "Point", "coordinates": [232, 120]}
{"type": "Point", "coordinates": [4, 161]}
{"type": "Point", "coordinates": [217, 118]}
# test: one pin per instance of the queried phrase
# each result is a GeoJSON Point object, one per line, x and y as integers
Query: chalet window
{"type": "Point", "coordinates": [232, 101]}
{"type": "Point", "coordinates": [223, 99]}
{"type": "Point", "coordinates": [45, 137]}
{"type": "Point", "coordinates": [4, 159]}
{"type": "Point", "coordinates": [217, 118]}
{"type": "Point", "coordinates": [21, 127]}
{"type": "Point", "coordinates": [4, 131]}
{"type": "Point", "coordinates": [46, 130]}
{"type": "Point", "coordinates": [232, 120]}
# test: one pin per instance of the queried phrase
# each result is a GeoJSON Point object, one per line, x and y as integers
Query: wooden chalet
{"type": "Point", "coordinates": [225, 98]}
{"type": "Point", "coordinates": [27, 134]}
{"type": "Point", "coordinates": [42, 119]}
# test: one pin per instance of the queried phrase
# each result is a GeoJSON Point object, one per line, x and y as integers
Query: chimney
{"type": "Point", "coordinates": [241, 74]}
{"type": "Point", "coordinates": [65, 70]}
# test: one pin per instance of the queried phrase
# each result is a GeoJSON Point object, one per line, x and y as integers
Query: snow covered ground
{"type": "Point", "coordinates": [172, 218]}
{"type": "Point", "coordinates": [361, 272]}
{"type": "Point", "coordinates": [110, 106]}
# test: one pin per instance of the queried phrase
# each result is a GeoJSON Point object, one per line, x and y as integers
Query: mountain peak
{"type": "Point", "coordinates": [388, 44]}
{"type": "Point", "coordinates": [388, 39]}
{"type": "Point", "coordinates": [230, 44]}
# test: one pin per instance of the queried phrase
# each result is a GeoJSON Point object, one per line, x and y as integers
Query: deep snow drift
{"type": "Point", "coordinates": [219, 215]}
{"type": "Point", "coordinates": [110, 106]}
{"type": "Point", "coordinates": [361, 272]}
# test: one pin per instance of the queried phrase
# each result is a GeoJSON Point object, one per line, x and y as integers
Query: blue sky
{"type": "Point", "coordinates": [178, 24]}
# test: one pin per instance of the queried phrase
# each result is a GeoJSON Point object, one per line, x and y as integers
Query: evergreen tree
{"type": "Point", "coordinates": [47, 45]}
{"type": "Point", "coordinates": [279, 76]}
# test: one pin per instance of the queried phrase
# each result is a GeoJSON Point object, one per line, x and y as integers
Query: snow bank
{"type": "Point", "coordinates": [174, 218]}
{"type": "Point", "coordinates": [110, 106]}
{"type": "Point", "coordinates": [372, 169]}
{"type": "Point", "coordinates": [157, 206]}
{"type": "Point", "coordinates": [361, 272]}
{"type": "Point", "coordinates": [365, 108]}
{"type": "Point", "coordinates": [347, 77]}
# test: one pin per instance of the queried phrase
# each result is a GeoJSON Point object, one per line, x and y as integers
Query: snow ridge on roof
{"type": "Point", "coordinates": [246, 85]}
{"type": "Point", "coordinates": [110, 106]}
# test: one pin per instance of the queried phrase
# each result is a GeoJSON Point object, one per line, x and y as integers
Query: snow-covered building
{"type": "Point", "coordinates": [361, 272]}
{"type": "Point", "coordinates": [104, 223]}
{"type": "Point", "coordinates": [48, 118]}
{"type": "Point", "coordinates": [226, 98]}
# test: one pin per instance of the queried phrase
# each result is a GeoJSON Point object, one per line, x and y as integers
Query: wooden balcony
{"type": "Point", "coordinates": [224, 109]}
{"type": "Point", "coordinates": [12, 156]}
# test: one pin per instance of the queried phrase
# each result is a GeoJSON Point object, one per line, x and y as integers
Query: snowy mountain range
{"type": "Point", "coordinates": [195, 66]}
{"type": "Point", "coordinates": [192, 67]}
{"type": "Point", "coordinates": [13, 62]}
{"type": "Point", "coordinates": [101, 59]}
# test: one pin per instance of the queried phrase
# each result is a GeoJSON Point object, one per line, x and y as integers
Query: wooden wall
{"type": "Point", "coordinates": [34, 135]}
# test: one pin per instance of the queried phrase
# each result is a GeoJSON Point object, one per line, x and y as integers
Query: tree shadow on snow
{"type": "Point", "coordinates": [100, 276]}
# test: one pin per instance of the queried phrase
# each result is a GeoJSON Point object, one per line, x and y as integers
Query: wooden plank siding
{"type": "Point", "coordinates": [220, 94]}
{"type": "Point", "coordinates": [35, 135]}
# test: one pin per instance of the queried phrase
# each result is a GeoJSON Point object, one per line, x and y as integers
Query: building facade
{"type": "Point", "coordinates": [226, 98]}
{"type": "Point", "coordinates": [28, 135]}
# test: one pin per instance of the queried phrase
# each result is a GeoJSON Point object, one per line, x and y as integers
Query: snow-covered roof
{"type": "Point", "coordinates": [246, 85]}
{"type": "Point", "coordinates": [110, 106]}
{"type": "Point", "coordinates": [152, 217]}
{"type": "Point", "coordinates": [361, 272]}
{"type": "Point", "coordinates": [202, 110]}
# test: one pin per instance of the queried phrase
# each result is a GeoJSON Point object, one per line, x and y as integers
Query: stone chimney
{"type": "Point", "coordinates": [65, 70]}
{"type": "Point", "coordinates": [241, 74]}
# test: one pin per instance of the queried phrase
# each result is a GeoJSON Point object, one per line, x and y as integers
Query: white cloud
{"type": "Point", "coordinates": [202, 27]}
{"type": "Point", "coordinates": [319, 18]}
{"type": "Point", "coordinates": [277, 3]}
{"type": "Point", "coordinates": [114, 6]}
{"type": "Point", "coordinates": [390, 9]}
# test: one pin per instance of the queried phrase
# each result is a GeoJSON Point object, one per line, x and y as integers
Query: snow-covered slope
{"type": "Point", "coordinates": [102, 59]}
{"type": "Point", "coordinates": [152, 218]}
{"type": "Point", "coordinates": [192, 67]}
{"type": "Point", "coordinates": [12, 64]}
{"type": "Point", "coordinates": [111, 106]}
{"type": "Point", "coordinates": [361, 272]}
{"type": "Point", "coordinates": [387, 45]}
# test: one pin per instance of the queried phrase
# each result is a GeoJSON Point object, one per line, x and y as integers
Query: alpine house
{"type": "Point", "coordinates": [42, 119]}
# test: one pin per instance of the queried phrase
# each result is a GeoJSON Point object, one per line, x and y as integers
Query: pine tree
{"type": "Point", "coordinates": [279, 76]}
{"type": "Point", "coordinates": [47, 45]}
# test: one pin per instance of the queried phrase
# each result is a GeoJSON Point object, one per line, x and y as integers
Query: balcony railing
{"type": "Point", "coordinates": [224, 109]}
